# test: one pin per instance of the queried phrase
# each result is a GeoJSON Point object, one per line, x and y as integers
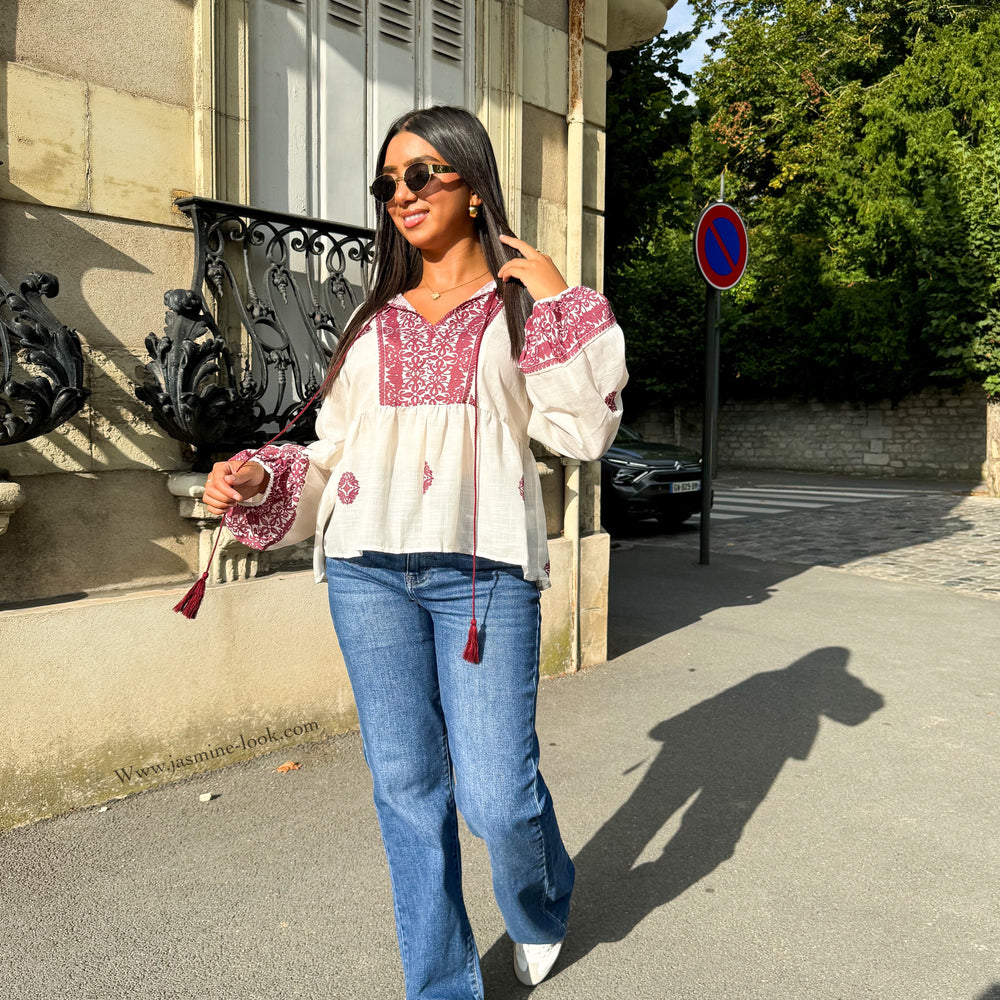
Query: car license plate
{"type": "Point", "coordinates": [688, 487]}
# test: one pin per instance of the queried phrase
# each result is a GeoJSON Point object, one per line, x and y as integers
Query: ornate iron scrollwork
{"type": "Point", "coordinates": [41, 362]}
{"type": "Point", "coordinates": [283, 288]}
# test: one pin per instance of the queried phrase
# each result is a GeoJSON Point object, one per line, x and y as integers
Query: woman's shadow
{"type": "Point", "coordinates": [724, 754]}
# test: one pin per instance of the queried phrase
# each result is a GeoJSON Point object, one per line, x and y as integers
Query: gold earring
{"type": "Point", "coordinates": [473, 211]}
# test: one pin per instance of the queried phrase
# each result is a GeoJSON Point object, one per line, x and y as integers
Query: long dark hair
{"type": "Point", "coordinates": [464, 144]}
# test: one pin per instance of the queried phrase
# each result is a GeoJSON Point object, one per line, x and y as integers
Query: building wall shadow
{"type": "Point", "coordinates": [654, 591]}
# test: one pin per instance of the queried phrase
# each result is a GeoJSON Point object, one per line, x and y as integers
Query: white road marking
{"type": "Point", "coordinates": [737, 502]}
{"type": "Point", "coordinates": [861, 494]}
{"type": "Point", "coordinates": [754, 503]}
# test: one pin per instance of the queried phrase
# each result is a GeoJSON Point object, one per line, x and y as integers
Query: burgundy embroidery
{"type": "Point", "coordinates": [420, 363]}
{"type": "Point", "coordinates": [547, 567]}
{"type": "Point", "coordinates": [609, 399]}
{"type": "Point", "coordinates": [557, 331]}
{"type": "Point", "coordinates": [428, 477]}
{"type": "Point", "coordinates": [520, 487]}
{"type": "Point", "coordinates": [263, 526]}
{"type": "Point", "coordinates": [348, 488]}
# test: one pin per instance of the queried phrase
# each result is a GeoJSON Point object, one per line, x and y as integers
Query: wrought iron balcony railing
{"type": "Point", "coordinates": [41, 362]}
{"type": "Point", "coordinates": [231, 375]}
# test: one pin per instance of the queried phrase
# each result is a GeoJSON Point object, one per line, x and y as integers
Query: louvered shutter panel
{"type": "Point", "coordinates": [349, 13]}
{"type": "Point", "coordinates": [327, 77]}
{"type": "Point", "coordinates": [279, 124]}
{"type": "Point", "coordinates": [392, 67]}
{"type": "Point", "coordinates": [445, 54]}
{"type": "Point", "coordinates": [343, 161]}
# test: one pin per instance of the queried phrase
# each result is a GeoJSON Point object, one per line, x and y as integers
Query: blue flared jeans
{"type": "Point", "coordinates": [440, 733]}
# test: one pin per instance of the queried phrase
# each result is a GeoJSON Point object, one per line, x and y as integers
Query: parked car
{"type": "Point", "coordinates": [640, 479]}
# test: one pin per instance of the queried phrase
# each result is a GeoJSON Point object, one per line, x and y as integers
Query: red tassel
{"type": "Point", "coordinates": [191, 601]}
{"type": "Point", "coordinates": [471, 654]}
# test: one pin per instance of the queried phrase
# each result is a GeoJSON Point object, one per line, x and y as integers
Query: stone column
{"type": "Point", "coordinates": [991, 467]}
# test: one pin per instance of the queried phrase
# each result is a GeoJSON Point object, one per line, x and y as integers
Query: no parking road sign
{"type": "Point", "coordinates": [720, 245]}
{"type": "Point", "coordinates": [720, 251]}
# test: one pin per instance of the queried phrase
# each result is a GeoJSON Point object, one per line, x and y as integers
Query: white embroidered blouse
{"type": "Point", "coordinates": [393, 469]}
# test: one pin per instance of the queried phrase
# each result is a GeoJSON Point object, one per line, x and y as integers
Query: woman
{"type": "Point", "coordinates": [424, 498]}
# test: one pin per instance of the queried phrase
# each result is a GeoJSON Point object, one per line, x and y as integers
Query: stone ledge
{"type": "Point", "coordinates": [635, 22]}
{"type": "Point", "coordinates": [11, 497]}
{"type": "Point", "coordinates": [233, 560]}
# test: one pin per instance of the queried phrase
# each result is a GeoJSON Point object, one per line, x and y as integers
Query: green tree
{"type": "Point", "coordinates": [648, 270]}
{"type": "Point", "coordinates": [660, 302]}
{"type": "Point", "coordinates": [853, 133]}
{"type": "Point", "coordinates": [648, 133]}
{"type": "Point", "coordinates": [860, 142]}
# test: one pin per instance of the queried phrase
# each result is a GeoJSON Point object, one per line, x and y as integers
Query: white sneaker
{"type": "Point", "coordinates": [533, 962]}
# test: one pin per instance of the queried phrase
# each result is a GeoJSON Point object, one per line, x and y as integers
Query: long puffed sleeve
{"type": "Point", "coordinates": [574, 371]}
{"type": "Point", "coordinates": [286, 513]}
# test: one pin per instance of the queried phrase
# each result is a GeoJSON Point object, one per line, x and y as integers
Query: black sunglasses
{"type": "Point", "coordinates": [415, 177]}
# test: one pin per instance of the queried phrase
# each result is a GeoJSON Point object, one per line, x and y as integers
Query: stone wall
{"type": "Point", "coordinates": [94, 151]}
{"type": "Point", "coordinates": [933, 434]}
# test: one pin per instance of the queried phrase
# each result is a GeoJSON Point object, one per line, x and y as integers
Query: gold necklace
{"type": "Point", "coordinates": [437, 295]}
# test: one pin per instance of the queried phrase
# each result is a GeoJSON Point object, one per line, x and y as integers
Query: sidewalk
{"type": "Point", "coordinates": [828, 736]}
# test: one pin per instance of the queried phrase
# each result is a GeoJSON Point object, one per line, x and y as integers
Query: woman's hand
{"type": "Point", "coordinates": [533, 269]}
{"type": "Point", "coordinates": [230, 482]}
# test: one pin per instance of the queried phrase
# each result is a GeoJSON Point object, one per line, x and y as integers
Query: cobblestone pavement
{"type": "Point", "coordinates": [944, 534]}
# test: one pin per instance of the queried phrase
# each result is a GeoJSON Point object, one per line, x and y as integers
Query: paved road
{"type": "Point", "coordinates": [944, 534]}
{"type": "Point", "coordinates": [782, 787]}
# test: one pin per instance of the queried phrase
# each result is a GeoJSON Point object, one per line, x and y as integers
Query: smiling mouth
{"type": "Point", "coordinates": [414, 219]}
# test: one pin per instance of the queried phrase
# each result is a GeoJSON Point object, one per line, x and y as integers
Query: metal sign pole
{"type": "Point", "coordinates": [721, 248]}
{"type": "Point", "coordinates": [713, 304]}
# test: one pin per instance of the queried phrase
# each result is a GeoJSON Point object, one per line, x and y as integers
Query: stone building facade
{"type": "Point", "coordinates": [108, 115]}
